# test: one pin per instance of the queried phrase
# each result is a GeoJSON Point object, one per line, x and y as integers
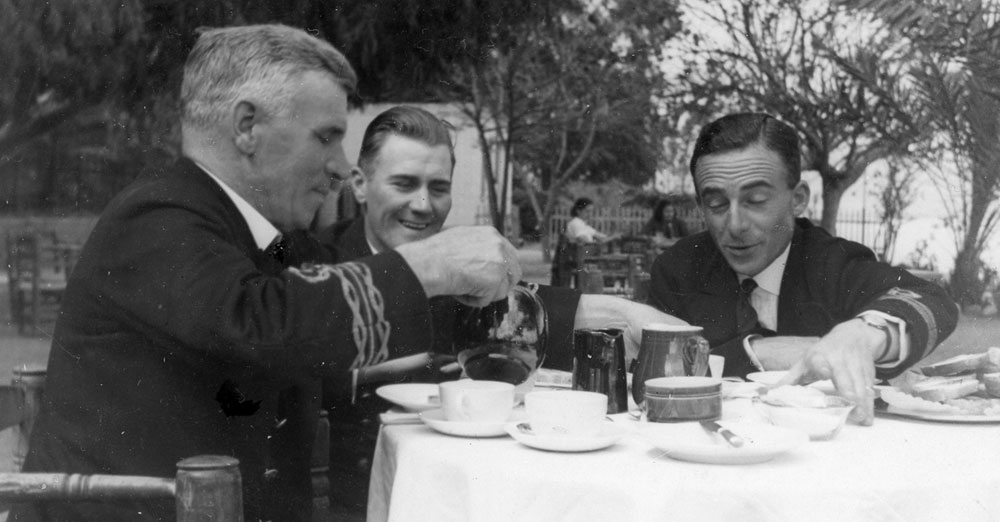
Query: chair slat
{"type": "Point", "coordinates": [63, 486]}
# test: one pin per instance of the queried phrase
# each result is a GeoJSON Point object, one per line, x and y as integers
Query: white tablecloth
{"type": "Point", "coordinates": [896, 470]}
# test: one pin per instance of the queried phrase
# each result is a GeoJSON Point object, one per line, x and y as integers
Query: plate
{"type": "Point", "coordinates": [411, 396]}
{"type": "Point", "coordinates": [610, 433]}
{"type": "Point", "coordinates": [954, 418]}
{"type": "Point", "coordinates": [436, 421]}
{"type": "Point", "coordinates": [772, 377]}
{"type": "Point", "coordinates": [688, 441]}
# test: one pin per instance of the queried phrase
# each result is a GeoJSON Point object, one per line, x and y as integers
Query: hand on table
{"type": "Point", "coordinates": [846, 356]}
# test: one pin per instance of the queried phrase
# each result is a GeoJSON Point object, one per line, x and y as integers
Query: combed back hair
{"type": "Point", "coordinates": [258, 63]}
{"type": "Point", "coordinates": [579, 205]}
{"type": "Point", "coordinates": [739, 131]}
{"type": "Point", "coordinates": [406, 121]}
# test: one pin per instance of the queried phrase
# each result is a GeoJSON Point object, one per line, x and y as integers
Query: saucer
{"type": "Point", "coordinates": [688, 441]}
{"type": "Point", "coordinates": [411, 396]}
{"type": "Point", "coordinates": [436, 421]}
{"type": "Point", "coordinates": [610, 433]}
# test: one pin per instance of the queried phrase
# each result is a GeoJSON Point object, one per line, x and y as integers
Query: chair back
{"type": "Point", "coordinates": [39, 266]}
{"type": "Point", "coordinates": [207, 487]}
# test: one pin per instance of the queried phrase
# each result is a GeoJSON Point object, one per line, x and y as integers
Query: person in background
{"type": "Point", "coordinates": [188, 326]}
{"type": "Point", "coordinates": [577, 229]}
{"type": "Point", "coordinates": [665, 227]}
{"type": "Point", "coordinates": [403, 183]}
{"type": "Point", "coordinates": [774, 292]}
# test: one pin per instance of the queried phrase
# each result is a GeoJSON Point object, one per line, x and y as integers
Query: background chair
{"type": "Point", "coordinates": [38, 266]}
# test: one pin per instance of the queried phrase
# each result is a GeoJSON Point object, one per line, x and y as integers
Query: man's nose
{"type": "Point", "coordinates": [336, 165]}
{"type": "Point", "coordinates": [736, 219]}
{"type": "Point", "coordinates": [420, 202]}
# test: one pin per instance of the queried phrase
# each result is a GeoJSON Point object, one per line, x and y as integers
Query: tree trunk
{"type": "Point", "coordinates": [832, 193]}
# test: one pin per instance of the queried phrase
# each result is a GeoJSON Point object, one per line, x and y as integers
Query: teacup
{"type": "Point", "coordinates": [467, 400]}
{"type": "Point", "coordinates": [566, 413]}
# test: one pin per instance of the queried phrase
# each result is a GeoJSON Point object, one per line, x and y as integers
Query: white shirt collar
{"type": "Point", "coordinates": [264, 233]}
{"type": "Point", "coordinates": [769, 279]}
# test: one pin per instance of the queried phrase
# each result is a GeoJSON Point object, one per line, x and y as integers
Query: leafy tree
{"type": "Point", "coordinates": [956, 79]}
{"type": "Point", "coordinates": [573, 96]}
{"type": "Point", "coordinates": [784, 57]}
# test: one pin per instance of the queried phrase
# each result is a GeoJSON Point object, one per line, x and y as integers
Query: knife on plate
{"type": "Point", "coordinates": [712, 426]}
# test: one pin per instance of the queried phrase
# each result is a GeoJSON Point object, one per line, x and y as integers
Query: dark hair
{"type": "Point", "coordinates": [658, 210]}
{"type": "Point", "coordinates": [407, 121]}
{"type": "Point", "coordinates": [579, 205]}
{"type": "Point", "coordinates": [739, 131]}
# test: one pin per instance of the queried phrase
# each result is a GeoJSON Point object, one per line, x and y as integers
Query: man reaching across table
{"type": "Point", "coordinates": [183, 332]}
{"type": "Point", "coordinates": [775, 292]}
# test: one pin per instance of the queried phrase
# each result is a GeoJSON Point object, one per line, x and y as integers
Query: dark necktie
{"type": "Point", "coordinates": [277, 249]}
{"type": "Point", "coordinates": [746, 316]}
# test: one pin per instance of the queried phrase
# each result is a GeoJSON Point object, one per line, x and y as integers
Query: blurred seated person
{"type": "Point", "coordinates": [577, 229]}
{"type": "Point", "coordinates": [775, 292]}
{"type": "Point", "coordinates": [665, 227]}
{"type": "Point", "coordinates": [403, 184]}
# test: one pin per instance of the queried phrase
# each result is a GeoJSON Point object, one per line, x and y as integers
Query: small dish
{"type": "Point", "coordinates": [820, 422]}
{"type": "Point", "coordinates": [414, 397]}
{"type": "Point", "coordinates": [435, 420]}
{"type": "Point", "coordinates": [772, 377]}
{"type": "Point", "coordinates": [689, 442]}
{"type": "Point", "coordinates": [610, 434]}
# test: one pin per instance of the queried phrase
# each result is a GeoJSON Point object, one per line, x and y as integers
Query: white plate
{"type": "Point", "coordinates": [689, 441]}
{"type": "Point", "coordinates": [436, 421]}
{"type": "Point", "coordinates": [954, 418]}
{"type": "Point", "coordinates": [411, 397]}
{"type": "Point", "coordinates": [772, 377]}
{"type": "Point", "coordinates": [610, 433]}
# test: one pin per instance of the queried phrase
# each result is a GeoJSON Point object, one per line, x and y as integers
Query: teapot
{"type": "Point", "coordinates": [506, 340]}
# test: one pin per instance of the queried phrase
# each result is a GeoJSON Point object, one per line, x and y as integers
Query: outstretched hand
{"type": "Point", "coordinates": [844, 355]}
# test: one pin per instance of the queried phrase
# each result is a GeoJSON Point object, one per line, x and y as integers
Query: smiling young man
{"type": "Point", "coordinates": [775, 292]}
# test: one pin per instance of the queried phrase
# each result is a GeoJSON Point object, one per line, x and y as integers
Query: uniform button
{"type": "Point", "coordinates": [270, 474]}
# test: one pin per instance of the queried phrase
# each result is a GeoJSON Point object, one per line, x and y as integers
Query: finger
{"type": "Point", "coordinates": [795, 375]}
{"type": "Point", "coordinates": [451, 368]}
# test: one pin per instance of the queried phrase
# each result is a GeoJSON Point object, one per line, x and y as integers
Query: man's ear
{"type": "Point", "coordinates": [800, 198]}
{"type": "Point", "coordinates": [359, 184]}
{"type": "Point", "coordinates": [245, 120]}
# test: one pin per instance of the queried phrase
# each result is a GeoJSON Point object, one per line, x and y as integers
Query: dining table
{"type": "Point", "coordinates": [898, 469]}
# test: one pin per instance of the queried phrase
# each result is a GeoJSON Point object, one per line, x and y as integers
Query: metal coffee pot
{"type": "Point", "coordinates": [507, 340]}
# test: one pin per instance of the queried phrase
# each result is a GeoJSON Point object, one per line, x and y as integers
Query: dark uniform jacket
{"type": "Point", "coordinates": [827, 280]}
{"type": "Point", "coordinates": [179, 337]}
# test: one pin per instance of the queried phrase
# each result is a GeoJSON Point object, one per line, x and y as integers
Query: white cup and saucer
{"type": "Point", "coordinates": [566, 420]}
{"type": "Point", "coordinates": [472, 408]}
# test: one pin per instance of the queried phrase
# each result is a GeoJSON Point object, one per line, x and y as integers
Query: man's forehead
{"type": "Point", "coordinates": [739, 169]}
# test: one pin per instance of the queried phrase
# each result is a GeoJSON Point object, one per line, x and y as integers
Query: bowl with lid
{"type": "Point", "coordinates": [682, 398]}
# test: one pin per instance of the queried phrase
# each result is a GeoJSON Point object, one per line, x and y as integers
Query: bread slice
{"type": "Point", "coordinates": [991, 381]}
{"type": "Point", "coordinates": [992, 362]}
{"type": "Point", "coordinates": [941, 389]}
{"type": "Point", "coordinates": [956, 365]}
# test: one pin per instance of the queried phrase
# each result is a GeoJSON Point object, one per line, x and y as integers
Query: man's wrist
{"type": "Point", "coordinates": [880, 324]}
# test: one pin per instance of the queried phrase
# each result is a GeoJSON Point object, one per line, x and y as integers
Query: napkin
{"type": "Point", "coordinates": [398, 416]}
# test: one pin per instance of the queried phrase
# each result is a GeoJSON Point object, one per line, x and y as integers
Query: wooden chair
{"type": "Point", "coordinates": [206, 487]}
{"type": "Point", "coordinates": [19, 403]}
{"type": "Point", "coordinates": [38, 268]}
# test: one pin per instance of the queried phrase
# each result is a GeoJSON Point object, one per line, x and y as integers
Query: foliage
{"type": "Point", "coordinates": [896, 196]}
{"type": "Point", "coordinates": [956, 81]}
{"type": "Point", "coordinates": [785, 57]}
{"type": "Point", "coordinates": [572, 95]}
